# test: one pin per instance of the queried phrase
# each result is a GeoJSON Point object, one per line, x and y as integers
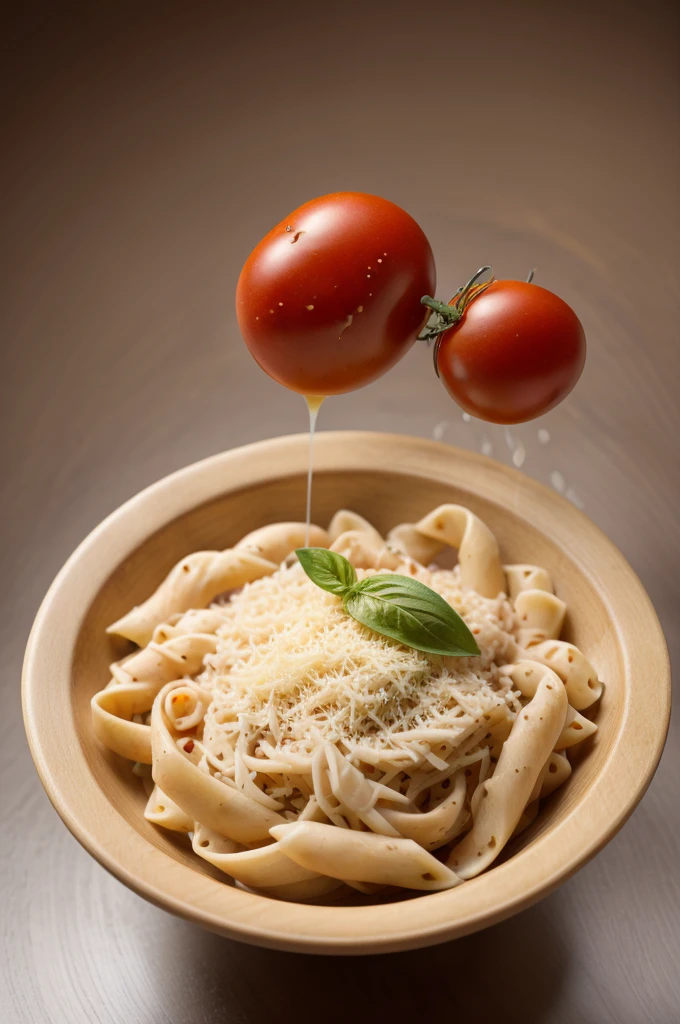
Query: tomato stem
{"type": "Point", "coordinates": [446, 314]}
{"type": "Point", "coordinates": [445, 310]}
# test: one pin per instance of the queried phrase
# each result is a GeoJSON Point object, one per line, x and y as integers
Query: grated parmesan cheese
{"type": "Point", "coordinates": [292, 669]}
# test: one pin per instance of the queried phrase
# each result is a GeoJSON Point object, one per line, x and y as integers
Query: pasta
{"type": "Point", "coordinates": [304, 754]}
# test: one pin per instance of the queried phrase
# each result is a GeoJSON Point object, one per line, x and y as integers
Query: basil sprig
{"type": "Point", "coordinates": [393, 605]}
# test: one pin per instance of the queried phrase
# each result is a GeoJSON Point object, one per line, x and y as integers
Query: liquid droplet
{"type": "Point", "coordinates": [313, 404]}
{"type": "Point", "coordinates": [543, 435]}
{"type": "Point", "coordinates": [440, 430]}
{"type": "Point", "coordinates": [519, 455]}
{"type": "Point", "coordinates": [558, 481]}
{"type": "Point", "coordinates": [573, 497]}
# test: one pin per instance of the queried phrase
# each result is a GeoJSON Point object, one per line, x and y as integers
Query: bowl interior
{"type": "Point", "coordinates": [386, 498]}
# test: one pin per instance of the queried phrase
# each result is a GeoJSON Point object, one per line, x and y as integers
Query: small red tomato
{"type": "Point", "coordinates": [516, 352]}
{"type": "Point", "coordinates": [330, 298]}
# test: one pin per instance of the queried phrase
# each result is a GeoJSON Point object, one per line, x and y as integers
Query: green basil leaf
{"type": "Point", "coordinates": [328, 569]}
{"type": "Point", "coordinates": [408, 611]}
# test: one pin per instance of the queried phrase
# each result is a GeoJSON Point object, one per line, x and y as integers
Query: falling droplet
{"type": "Point", "coordinates": [467, 417]}
{"type": "Point", "coordinates": [558, 481]}
{"type": "Point", "coordinates": [543, 435]}
{"type": "Point", "coordinates": [439, 430]}
{"type": "Point", "coordinates": [509, 439]}
{"type": "Point", "coordinates": [487, 447]}
{"type": "Point", "coordinates": [519, 455]}
{"type": "Point", "coordinates": [573, 497]}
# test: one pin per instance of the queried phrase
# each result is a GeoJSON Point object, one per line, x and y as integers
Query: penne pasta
{"type": "Point", "coordinates": [160, 663]}
{"type": "Point", "coordinates": [363, 856]}
{"type": "Point", "coordinates": [434, 828]}
{"type": "Point", "coordinates": [527, 577]}
{"type": "Point", "coordinates": [265, 867]}
{"type": "Point", "coordinates": [541, 616]}
{"type": "Point", "coordinates": [363, 552]}
{"type": "Point", "coordinates": [193, 583]}
{"type": "Point", "coordinates": [345, 521]}
{"type": "Point", "coordinates": [203, 798]}
{"type": "Point", "coordinates": [161, 810]}
{"type": "Point", "coordinates": [309, 756]}
{"type": "Point", "coordinates": [112, 712]}
{"type": "Point", "coordinates": [558, 772]}
{"type": "Point", "coordinates": [278, 540]}
{"type": "Point", "coordinates": [576, 672]}
{"type": "Point", "coordinates": [509, 790]}
{"type": "Point", "coordinates": [576, 729]}
{"type": "Point", "coordinates": [478, 554]}
{"type": "Point", "coordinates": [407, 539]}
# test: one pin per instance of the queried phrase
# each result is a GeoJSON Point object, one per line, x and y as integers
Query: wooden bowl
{"type": "Point", "coordinates": [389, 479]}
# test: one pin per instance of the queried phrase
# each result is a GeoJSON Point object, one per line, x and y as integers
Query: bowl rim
{"type": "Point", "coordinates": [511, 886]}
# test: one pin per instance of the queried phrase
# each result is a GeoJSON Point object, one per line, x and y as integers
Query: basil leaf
{"type": "Point", "coordinates": [328, 569]}
{"type": "Point", "coordinates": [408, 611]}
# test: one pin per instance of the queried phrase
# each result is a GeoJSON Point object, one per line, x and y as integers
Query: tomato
{"type": "Point", "coordinates": [516, 352]}
{"type": "Point", "coordinates": [330, 299]}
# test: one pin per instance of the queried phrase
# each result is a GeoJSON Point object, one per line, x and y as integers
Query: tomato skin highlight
{"type": "Point", "coordinates": [330, 299]}
{"type": "Point", "coordinates": [517, 352]}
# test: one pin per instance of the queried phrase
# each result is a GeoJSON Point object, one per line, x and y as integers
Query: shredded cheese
{"type": "Point", "coordinates": [292, 668]}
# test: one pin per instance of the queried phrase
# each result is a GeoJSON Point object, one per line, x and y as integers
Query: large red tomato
{"type": "Point", "coordinates": [330, 298]}
{"type": "Point", "coordinates": [515, 353]}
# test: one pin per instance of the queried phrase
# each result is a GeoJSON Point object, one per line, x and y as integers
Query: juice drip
{"type": "Point", "coordinates": [313, 404]}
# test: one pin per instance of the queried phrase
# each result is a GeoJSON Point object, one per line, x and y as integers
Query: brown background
{"type": "Point", "coordinates": [147, 148]}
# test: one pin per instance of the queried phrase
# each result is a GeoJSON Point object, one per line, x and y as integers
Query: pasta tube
{"type": "Point", "coordinates": [276, 541]}
{"type": "Point", "coordinates": [478, 555]}
{"type": "Point", "coordinates": [414, 544]}
{"type": "Point", "coordinates": [363, 856]}
{"type": "Point", "coordinates": [541, 615]}
{"type": "Point", "coordinates": [434, 828]}
{"type": "Point", "coordinates": [160, 810]}
{"type": "Point", "coordinates": [576, 672]}
{"type": "Point", "coordinates": [345, 521]}
{"type": "Point", "coordinates": [527, 577]}
{"type": "Point", "coordinates": [215, 804]}
{"type": "Point", "coordinates": [364, 552]}
{"type": "Point", "coordinates": [193, 583]}
{"type": "Point", "coordinates": [262, 868]}
{"type": "Point", "coordinates": [507, 792]}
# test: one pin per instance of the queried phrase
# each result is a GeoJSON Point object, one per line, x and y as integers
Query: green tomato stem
{"type": "Point", "coordinates": [446, 314]}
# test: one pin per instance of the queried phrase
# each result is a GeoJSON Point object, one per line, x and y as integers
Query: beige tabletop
{"type": "Point", "coordinates": [147, 148]}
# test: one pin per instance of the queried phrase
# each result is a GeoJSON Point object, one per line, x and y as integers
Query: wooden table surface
{"type": "Point", "coordinates": [148, 147]}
